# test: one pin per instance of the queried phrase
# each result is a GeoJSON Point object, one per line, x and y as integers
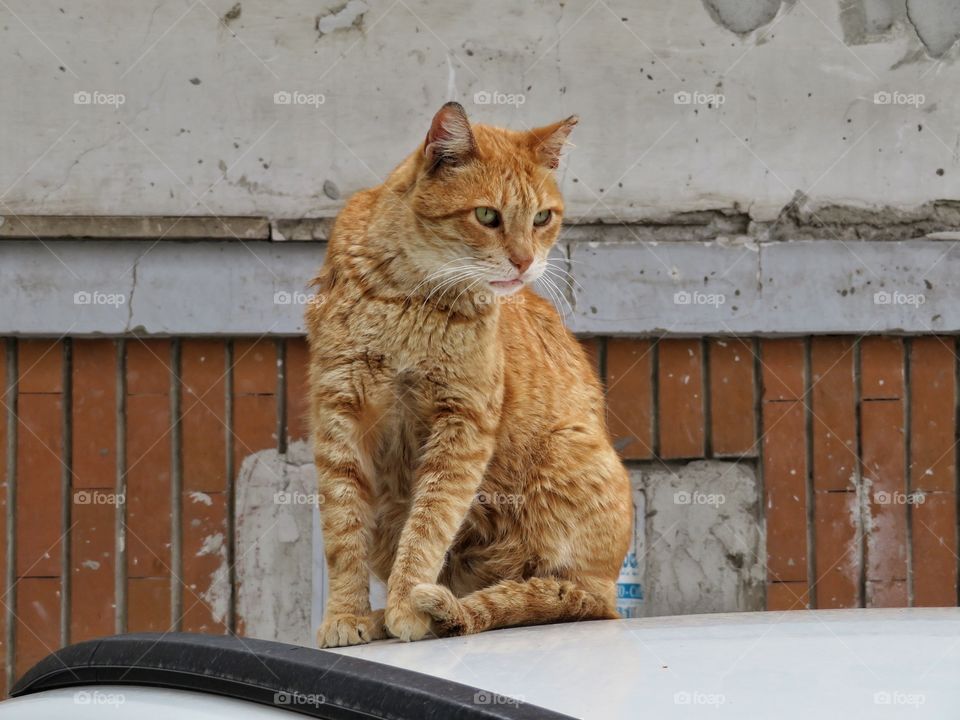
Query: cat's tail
{"type": "Point", "coordinates": [535, 601]}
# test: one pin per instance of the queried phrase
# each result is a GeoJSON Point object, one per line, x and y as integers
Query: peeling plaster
{"type": "Point", "coordinates": [742, 17]}
{"type": "Point", "coordinates": [937, 23]}
{"type": "Point", "coordinates": [343, 17]}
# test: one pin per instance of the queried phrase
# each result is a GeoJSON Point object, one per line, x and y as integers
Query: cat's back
{"type": "Point", "coordinates": [345, 242]}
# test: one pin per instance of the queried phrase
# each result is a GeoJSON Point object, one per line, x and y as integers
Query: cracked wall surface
{"type": "Point", "coordinates": [282, 112]}
{"type": "Point", "coordinates": [275, 556]}
{"type": "Point", "coordinates": [705, 545]}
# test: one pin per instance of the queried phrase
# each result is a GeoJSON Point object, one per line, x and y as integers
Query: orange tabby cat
{"type": "Point", "coordinates": [459, 429]}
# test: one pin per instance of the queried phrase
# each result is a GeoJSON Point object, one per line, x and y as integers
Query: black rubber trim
{"type": "Point", "coordinates": [310, 682]}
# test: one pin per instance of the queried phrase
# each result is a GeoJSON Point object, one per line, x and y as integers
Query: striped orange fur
{"type": "Point", "coordinates": [458, 428]}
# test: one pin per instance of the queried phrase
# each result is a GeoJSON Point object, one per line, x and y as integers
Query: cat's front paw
{"type": "Point", "coordinates": [403, 621]}
{"type": "Point", "coordinates": [448, 613]}
{"type": "Point", "coordinates": [341, 629]}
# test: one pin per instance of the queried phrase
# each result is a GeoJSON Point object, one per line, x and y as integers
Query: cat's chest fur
{"type": "Point", "coordinates": [416, 362]}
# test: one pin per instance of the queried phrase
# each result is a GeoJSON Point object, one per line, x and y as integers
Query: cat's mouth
{"type": "Point", "coordinates": [506, 285]}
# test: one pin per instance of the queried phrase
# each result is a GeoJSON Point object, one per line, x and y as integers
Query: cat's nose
{"type": "Point", "coordinates": [521, 262]}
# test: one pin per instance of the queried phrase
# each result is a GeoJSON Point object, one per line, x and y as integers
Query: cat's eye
{"type": "Point", "coordinates": [487, 216]}
{"type": "Point", "coordinates": [542, 217]}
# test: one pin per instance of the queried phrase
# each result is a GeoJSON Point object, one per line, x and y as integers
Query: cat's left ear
{"type": "Point", "coordinates": [547, 142]}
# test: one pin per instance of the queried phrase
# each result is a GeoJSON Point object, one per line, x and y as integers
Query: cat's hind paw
{"type": "Point", "coordinates": [437, 601]}
{"type": "Point", "coordinates": [343, 629]}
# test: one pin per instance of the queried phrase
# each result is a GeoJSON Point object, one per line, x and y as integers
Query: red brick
{"type": "Point", "coordinates": [94, 412]}
{"type": "Point", "coordinates": [933, 454]}
{"type": "Point", "coordinates": [834, 411]}
{"type": "Point", "coordinates": [255, 367]}
{"type": "Point", "coordinates": [591, 348]}
{"type": "Point", "coordinates": [882, 442]}
{"type": "Point", "coordinates": [630, 397]}
{"type": "Point", "coordinates": [205, 537]}
{"type": "Point", "coordinates": [881, 368]}
{"type": "Point", "coordinates": [837, 557]}
{"type": "Point", "coordinates": [254, 425]}
{"type": "Point", "coordinates": [255, 421]}
{"type": "Point", "coordinates": [733, 397]}
{"type": "Point", "coordinates": [782, 369]}
{"type": "Point", "coordinates": [40, 365]}
{"type": "Point", "coordinates": [204, 415]}
{"type": "Point", "coordinates": [298, 389]}
{"type": "Point", "coordinates": [785, 483]}
{"type": "Point", "coordinates": [37, 630]}
{"type": "Point", "coordinates": [40, 471]}
{"type": "Point", "coordinates": [92, 588]}
{"type": "Point", "coordinates": [935, 550]}
{"type": "Point", "coordinates": [788, 596]}
{"type": "Point", "coordinates": [148, 605]}
{"type": "Point", "coordinates": [148, 487]}
{"type": "Point", "coordinates": [148, 367]}
{"type": "Point", "coordinates": [681, 412]}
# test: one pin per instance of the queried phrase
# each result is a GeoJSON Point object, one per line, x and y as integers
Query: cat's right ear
{"type": "Point", "coordinates": [450, 140]}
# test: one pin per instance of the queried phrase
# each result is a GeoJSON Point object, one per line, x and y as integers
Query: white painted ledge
{"type": "Point", "coordinates": [215, 287]}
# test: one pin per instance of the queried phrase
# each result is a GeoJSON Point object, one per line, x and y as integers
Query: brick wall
{"type": "Point", "coordinates": [120, 457]}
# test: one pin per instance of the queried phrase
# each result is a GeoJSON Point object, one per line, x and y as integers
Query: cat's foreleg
{"type": "Point", "coordinates": [344, 476]}
{"type": "Point", "coordinates": [452, 466]}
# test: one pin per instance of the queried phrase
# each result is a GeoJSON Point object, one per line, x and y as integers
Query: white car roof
{"type": "Point", "coordinates": [799, 664]}
{"type": "Point", "coordinates": [124, 702]}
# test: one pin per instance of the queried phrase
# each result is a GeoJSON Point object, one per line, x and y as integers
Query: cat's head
{"type": "Point", "coordinates": [486, 203]}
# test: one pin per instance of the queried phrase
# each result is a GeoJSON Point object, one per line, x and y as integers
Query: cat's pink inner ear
{"type": "Point", "coordinates": [450, 139]}
{"type": "Point", "coordinates": [547, 142]}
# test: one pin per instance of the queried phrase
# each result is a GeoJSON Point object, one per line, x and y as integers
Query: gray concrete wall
{"type": "Point", "coordinates": [179, 107]}
{"type": "Point", "coordinates": [617, 287]}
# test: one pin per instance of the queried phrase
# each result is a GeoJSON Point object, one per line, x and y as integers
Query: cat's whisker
{"type": "Point", "coordinates": [468, 287]}
{"type": "Point", "coordinates": [442, 270]}
{"type": "Point", "coordinates": [552, 288]}
{"type": "Point", "coordinates": [448, 283]}
{"type": "Point", "coordinates": [562, 274]}
{"type": "Point", "coordinates": [451, 279]}
{"type": "Point", "coordinates": [464, 274]}
{"type": "Point", "coordinates": [563, 271]}
{"type": "Point", "coordinates": [549, 291]}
